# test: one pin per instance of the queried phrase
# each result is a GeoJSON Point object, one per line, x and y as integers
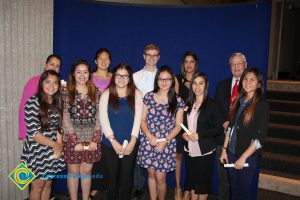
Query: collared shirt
{"type": "Point", "coordinates": [144, 80]}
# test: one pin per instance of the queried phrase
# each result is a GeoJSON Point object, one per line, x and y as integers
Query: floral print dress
{"type": "Point", "coordinates": [159, 123]}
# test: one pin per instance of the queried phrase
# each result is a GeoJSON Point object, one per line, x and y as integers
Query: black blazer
{"type": "Point", "coordinates": [256, 129]}
{"type": "Point", "coordinates": [209, 125]}
{"type": "Point", "coordinates": [222, 99]}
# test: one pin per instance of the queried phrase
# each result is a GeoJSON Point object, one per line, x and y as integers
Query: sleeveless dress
{"type": "Point", "coordinates": [35, 155]}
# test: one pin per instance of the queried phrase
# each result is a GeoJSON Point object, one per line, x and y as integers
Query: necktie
{"type": "Point", "coordinates": [234, 93]}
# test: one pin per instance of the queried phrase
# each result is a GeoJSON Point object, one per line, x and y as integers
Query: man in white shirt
{"type": "Point", "coordinates": [144, 81]}
{"type": "Point", "coordinates": [144, 78]}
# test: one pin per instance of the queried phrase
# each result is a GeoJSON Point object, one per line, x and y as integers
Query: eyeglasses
{"type": "Point", "coordinates": [164, 79]}
{"type": "Point", "coordinates": [120, 76]}
{"type": "Point", "coordinates": [152, 56]}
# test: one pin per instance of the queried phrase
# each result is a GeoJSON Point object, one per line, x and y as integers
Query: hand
{"type": "Point", "coordinates": [186, 137]}
{"type": "Point", "coordinates": [79, 147]}
{"type": "Point", "coordinates": [57, 154]}
{"type": "Point", "coordinates": [223, 158]}
{"type": "Point", "coordinates": [225, 125]}
{"type": "Point", "coordinates": [152, 140]}
{"type": "Point", "coordinates": [117, 147]}
{"type": "Point", "coordinates": [160, 146]}
{"type": "Point", "coordinates": [57, 146]}
{"type": "Point", "coordinates": [239, 164]}
{"type": "Point", "coordinates": [129, 148]}
{"type": "Point", "coordinates": [194, 137]}
{"type": "Point", "coordinates": [92, 146]}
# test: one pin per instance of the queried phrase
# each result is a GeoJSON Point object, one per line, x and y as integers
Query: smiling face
{"type": "Point", "coordinates": [250, 84]}
{"type": "Point", "coordinates": [50, 85]}
{"type": "Point", "coordinates": [121, 78]}
{"type": "Point", "coordinates": [151, 57]}
{"type": "Point", "coordinates": [189, 65]}
{"type": "Point", "coordinates": [81, 74]}
{"type": "Point", "coordinates": [53, 64]}
{"type": "Point", "coordinates": [103, 61]}
{"type": "Point", "coordinates": [164, 81]}
{"type": "Point", "coordinates": [237, 66]}
{"type": "Point", "coordinates": [199, 86]}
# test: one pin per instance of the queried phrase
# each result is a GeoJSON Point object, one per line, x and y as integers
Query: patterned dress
{"type": "Point", "coordinates": [35, 155]}
{"type": "Point", "coordinates": [81, 125]}
{"type": "Point", "coordinates": [159, 123]}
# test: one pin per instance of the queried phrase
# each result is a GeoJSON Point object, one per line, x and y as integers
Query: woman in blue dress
{"type": "Point", "coordinates": [162, 115]}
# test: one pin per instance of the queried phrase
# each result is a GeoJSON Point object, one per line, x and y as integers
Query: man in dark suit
{"type": "Point", "coordinates": [225, 94]}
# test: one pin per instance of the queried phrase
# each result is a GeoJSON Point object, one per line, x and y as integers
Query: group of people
{"type": "Point", "coordinates": [119, 123]}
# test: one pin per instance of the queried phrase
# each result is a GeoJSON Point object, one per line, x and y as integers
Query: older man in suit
{"type": "Point", "coordinates": [226, 93]}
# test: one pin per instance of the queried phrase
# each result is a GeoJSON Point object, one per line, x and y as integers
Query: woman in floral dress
{"type": "Point", "coordinates": [162, 115]}
{"type": "Point", "coordinates": [81, 126]}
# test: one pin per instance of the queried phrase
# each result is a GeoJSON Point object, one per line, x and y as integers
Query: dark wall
{"type": "Point", "coordinates": [81, 27]}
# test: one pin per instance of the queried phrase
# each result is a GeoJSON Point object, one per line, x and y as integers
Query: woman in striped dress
{"type": "Point", "coordinates": [43, 138]}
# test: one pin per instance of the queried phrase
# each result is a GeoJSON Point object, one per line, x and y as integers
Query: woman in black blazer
{"type": "Point", "coordinates": [204, 121]}
{"type": "Point", "coordinates": [246, 135]}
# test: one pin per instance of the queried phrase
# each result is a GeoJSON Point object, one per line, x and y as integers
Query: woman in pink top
{"type": "Point", "coordinates": [101, 77]}
{"type": "Point", "coordinates": [53, 62]}
{"type": "Point", "coordinates": [204, 121]}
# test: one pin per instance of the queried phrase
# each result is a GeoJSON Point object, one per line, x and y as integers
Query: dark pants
{"type": "Point", "coordinates": [223, 180]}
{"type": "Point", "coordinates": [242, 181]}
{"type": "Point", "coordinates": [119, 173]}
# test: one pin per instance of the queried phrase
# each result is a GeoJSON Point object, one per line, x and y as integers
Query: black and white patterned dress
{"type": "Point", "coordinates": [35, 155]}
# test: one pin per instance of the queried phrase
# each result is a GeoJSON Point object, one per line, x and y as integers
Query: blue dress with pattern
{"type": "Point", "coordinates": [159, 123]}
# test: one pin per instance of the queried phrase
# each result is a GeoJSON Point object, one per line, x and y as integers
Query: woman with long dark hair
{"type": "Point", "coordinates": [162, 115]}
{"type": "Point", "coordinates": [204, 121]}
{"type": "Point", "coordinates": [246, 134]}
{"type": "Point", "coordinates": [189, 66]}
{"type": "Point", "coordinates": [43, 145]}
{"type": "Point", "coordinates": [120, 116]}
{"type": "Point", "coordinates": [81, 127]}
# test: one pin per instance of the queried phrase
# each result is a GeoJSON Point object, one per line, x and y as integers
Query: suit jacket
{"type": "Point", "coordinates": [209, 125]}
{"type": "Point", "coordinates": [222, 99]}
{"type": "Point", "coordinates": [256, 129]}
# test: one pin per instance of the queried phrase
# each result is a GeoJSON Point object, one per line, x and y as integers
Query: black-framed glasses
{"type": "Point", "coordinates": [164, 79]}
{"type": "Point", "coordinates": [122, 76]}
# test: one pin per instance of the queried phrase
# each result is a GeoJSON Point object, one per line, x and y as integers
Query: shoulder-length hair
{"type": "Point", "coordinates": [56, 104]}
{"type": "Point", "coordinates": [194, 56]}
{"type": "Point", "coordinates": [172, 100]}
{"type": "Point", "coordinates": [192, 98]}
{"type": "Point", "coordinates": [71, 84]}
{"type": "Point", "coordinates": [258, 95]}
{"type": "Point", "coordinates": [130, 90]}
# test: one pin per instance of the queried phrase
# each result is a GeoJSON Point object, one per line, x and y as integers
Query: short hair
{"type": "Point", "coordinates": [237, 54]}
{"type": "Point", "coordinates": [151, 47]}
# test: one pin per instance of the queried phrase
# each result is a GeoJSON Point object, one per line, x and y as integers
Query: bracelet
{"type": "Point", "coordinates": [224, 148]}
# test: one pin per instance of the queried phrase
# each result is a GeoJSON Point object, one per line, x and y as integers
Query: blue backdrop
{"type": "Point", "coordinates": [213, 32]}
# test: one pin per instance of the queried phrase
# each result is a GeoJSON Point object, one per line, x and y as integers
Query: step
{"type": "Point", "coordinates": [282, 146]}
{"type": "Point", "coordinates": [279, 184]}
{"type": "Point", "coordinates": [281, 163]}
{"type": "Point", "coordinates": [285, 118]}
{"type": "Point", "coordinates": [284, 131]}
{"type": "Point", "coordinates": [284, 106]}
{"type": "Point", "coordinates": [283, 95]}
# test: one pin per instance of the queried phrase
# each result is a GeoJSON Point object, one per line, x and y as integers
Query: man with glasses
{"type": "Point", "coordinates": [226, 93]}
{"type": "Point", "coordinates": [144, 81]}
